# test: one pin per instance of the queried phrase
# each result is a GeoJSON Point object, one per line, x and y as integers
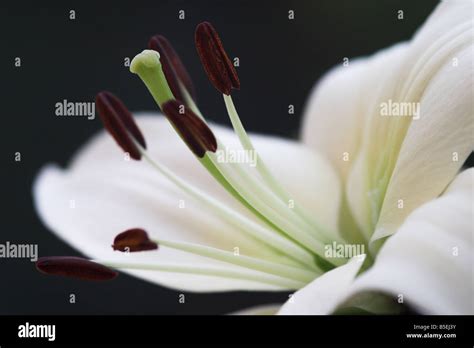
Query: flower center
{"type": "Point", "coordinates": [282, 226]}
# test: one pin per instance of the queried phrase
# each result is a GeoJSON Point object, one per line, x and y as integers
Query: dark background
{"type": "Point", "coordinates": [74, 59]}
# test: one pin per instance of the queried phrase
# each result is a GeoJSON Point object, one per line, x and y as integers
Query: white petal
{"type": "Point", "coordinates": [110, 194]}
{"type": "Point", "coordinates": [333, 113]}
{"type": "Point", "coordinates": [334, 124]}
{"type": "Point", "coordinates": [448, 15]}
{"type": "Point", "coordinates": [259, 310]}
{"type": "Point", "coordinates": [339, 104]}
{"type": "Point", "coordinates": [324, 294]}
{"type": "Point", "coordinates": [424, 74]}
{"type": "Point", "coordinates": [427, 163]}
{"type": "Point", "coordinates": [380, 86]}
{"type": "Point", "coordinates": [429, 260]}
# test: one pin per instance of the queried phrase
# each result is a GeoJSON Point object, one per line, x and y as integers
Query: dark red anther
{"type": "Point", "coordinates": [219, 68]}
{"type": "Point", "coordinates": [192, 129]}
{"type": "Point", "coordinates": [119, 123]}
{"type": "Point", "coordinates": [135, 239]}
{"type": "Point", "coordinates": [74, 267]}
{"type": "Point", "coordinates": [173, 67]}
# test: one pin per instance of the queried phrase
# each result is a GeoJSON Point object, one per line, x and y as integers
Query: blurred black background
{"type": "Point", "coordinates": [280, 61]}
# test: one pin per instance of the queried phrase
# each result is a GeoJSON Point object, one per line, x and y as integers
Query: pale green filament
{"type": "Point", "coordinates": [253, 195]}
{"type": "Point", "coordinates": [250, 182]}
{"type": "Point", "coordinates": [262, 210]}
{"type": "Point", "coordinates": [266, 174]}
{"type": "Point", "coordinates": [267, 202]}
{"type": "Point", "coordinates": [189, 101]}
{"type": "Point", "coordinates": [247, 145]}
{"type": "Point", "coordinates": [243, 274]}
{"type": "Point", "coordinates": [235, 219]}
{"type": "Point", "coordinates": [274, 268]}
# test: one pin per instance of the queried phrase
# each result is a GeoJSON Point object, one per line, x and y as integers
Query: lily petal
{"type": "Point", "coordinates": [429, 260]}
{"type": "Point", "coordinates": [435, 146]}
{"type": "Point", "coordinates": [333, 125]}
{"type": "Point", "coordinates": [102, 194]}
{"type": "Point", "coordinates": [324, 294]}
{"type": "Point", "coordinates": [343, 116]}
{"type": "Point", "coordinates": [269, 309]}
{"type": "Point", "coordinates": [334, 118]}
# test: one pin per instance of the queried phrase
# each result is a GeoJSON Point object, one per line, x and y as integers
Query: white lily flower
{"type": "Point", "coordinates": [387, 182]}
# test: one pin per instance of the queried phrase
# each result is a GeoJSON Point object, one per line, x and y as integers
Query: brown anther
{"type": "Point", "coordinates": [216, 63]}
{"type": "Point", "coordinates": [119, 123]}
{"type": "Point", "coordinates": [74, 267]}
{"type": "Point", "coordinates": [172, 66]}
{"type": "Point", "coordinates": [192, 129]}
{"type": "Point", "coordinates": [135, 239]}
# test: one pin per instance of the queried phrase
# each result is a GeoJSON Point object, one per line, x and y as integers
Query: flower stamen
{"type": "Point", "coordinates": [292, 272]}
{"type": "Point", "coordinates": [267, 237]}
{"type": "Point", "coordinates": [194, 132]}
{"type": "Point", "coordinates": [216, 63]}
{"type": "Point", "coordinates": [133, 240]}
{"type": "Point", "coordinates": [197, 129]}
{"type": "Point", "coordinates": [173, 68]}
{"type": "Point", "coordinates": [263, 203]}
{"type": "Point", "coordinates": [243, 274]}
{"type": "Point", "coordinates": [120, 123]}
{"type": "Point", "coordinates": [74, 267]}
{"type": "Point", "coordinates": [268, 178]}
